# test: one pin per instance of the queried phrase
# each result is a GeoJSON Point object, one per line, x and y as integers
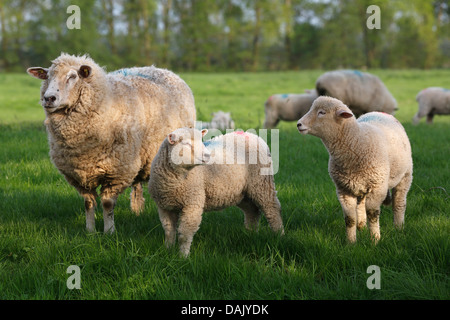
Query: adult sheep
{"type": "Point", "coordinates": [105, 128]}
{"type": "Point", "coordinates": [368, 157]}
{"type": "Point", "coordinates": [287, 107]}
{"type": "Point", "coordinates": [433, 100]}
{"type": "Point", "coordinates": [361, 91]}
{"type": "Point", "coordinates": [190, 177]}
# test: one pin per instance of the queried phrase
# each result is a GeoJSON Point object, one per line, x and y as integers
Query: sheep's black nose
{"type": "Point", "coordinates": [50, 99]}
{"type": "Point", "coordinates": [299, 124]}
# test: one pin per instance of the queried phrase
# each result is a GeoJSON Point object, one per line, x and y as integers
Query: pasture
{"type": "Point", "coordinates": [42, 220]}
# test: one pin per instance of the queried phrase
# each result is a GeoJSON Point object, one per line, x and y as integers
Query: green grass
{"type": "Point", "coordinates": [42, 222]}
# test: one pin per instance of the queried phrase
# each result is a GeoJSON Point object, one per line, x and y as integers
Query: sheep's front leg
{"type": "Point", "coordinates": [349, 205]}
{"type": "Point", "coordinates": [90, 204]}
{"type": "Point", "coordinates": [108, 213]}
{"type": "Point", "coordinates": [169, 223]}
{"type": "Point", "coordinates": [137, 198]}
{"type": "Point", "coordinates": [189, 223]}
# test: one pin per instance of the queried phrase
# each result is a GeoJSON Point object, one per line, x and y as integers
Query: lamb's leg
{"type": "Point", "coordinates": [399, 200]}
{"type": "Point", "coordinates": [349, 205]}
{"type": "Point", "coordinates": [251, 214]}
{"type": "Point", "coordinates": [90, 204]}
{"type": "Point", "coordinates": [189, 223]}
{"type": "Point", "coordinates": [373, 203]}
{"type": "Point", "coordinates": [137, 198]}
{"type": "Point", "coordinates": [169, 223]}
{"type": "Point", "coordinates": [430, 118]}
{"type": "Point", "coordinates": [272, 211]}
{"type": "Point", "coordinates": [361, 213]}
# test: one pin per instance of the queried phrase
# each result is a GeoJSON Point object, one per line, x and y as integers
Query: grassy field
{"type": "Point", "coordinates": [42, 221]}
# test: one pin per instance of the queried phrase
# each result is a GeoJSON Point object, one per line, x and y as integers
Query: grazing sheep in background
{"type": "Point", "coordinates": [432, 101]}
{"type": "Point", "coordinates": [361, 91]}
{"type": "Point", "coordinates": [189, 178]}
{"type": "Point", "coordinates": [287, 107]}
{"type": "Point", "coordinates": [105, 128]}
{"type": "Point", "coordinates": [221, 121]}
{"type": "Point", "coordinates": [368, 157]}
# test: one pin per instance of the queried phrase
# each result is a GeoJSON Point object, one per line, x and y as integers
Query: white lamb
{"type": "Point", "coordinates": [189, 178]}
{"type": "Point", "coordinates": [368, 157]}
{"type": "Point", "coordinates": [433, 100]}
{"type": "Point", "coordinates": [220, 120]}
{"type": "Point", "coordinates": [287, 107]}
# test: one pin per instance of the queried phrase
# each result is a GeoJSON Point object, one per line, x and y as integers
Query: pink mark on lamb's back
{"type": "Point", "coordinates": [242, 133]}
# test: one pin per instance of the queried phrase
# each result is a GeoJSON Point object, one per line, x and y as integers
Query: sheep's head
{"type": "Point", "coordinates": [325, 115]}
{"type": "Point", "coordinates": [62, 81]}
{"type": "Point", "coordinates": [186, 148]}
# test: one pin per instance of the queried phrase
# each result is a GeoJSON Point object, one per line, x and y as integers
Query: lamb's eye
{"type": "Point", "coordinates": [321, 113]}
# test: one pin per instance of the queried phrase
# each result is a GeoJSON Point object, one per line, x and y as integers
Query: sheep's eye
{"type": "Point", "coordinates": [321, 113]}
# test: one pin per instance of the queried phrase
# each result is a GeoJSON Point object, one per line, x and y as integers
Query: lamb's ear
{"type": "Point", "coordinates": [343, 114]}
{"type": "Point", "coordinates": [204, 131]}
{"type": "Point", "coordinates": [85, 71]}
{"type": "Point", "coordinates": [38, 72]}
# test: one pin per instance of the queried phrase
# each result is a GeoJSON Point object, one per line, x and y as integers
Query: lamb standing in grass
{"type": "Point", "coordinates": [221, 121]}
{"type": "Point", "coordinates": [189, 178]}
{"type": "Point", "coordinates": [287, 107]}
{"type": "Point", "coordinates": [368, 157]}
{"type": "Point", "coordinates": [361, 91]}
{"type": "Point", "coordinates": [105, 128]}
{"type": "Point", "coordinates": [432, 101]}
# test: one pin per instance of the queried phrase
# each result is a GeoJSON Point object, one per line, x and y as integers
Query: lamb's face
{"type": "Point", "coordinates": [186, 148]}
{"type": "Point", "coordinates": [61, 85]}
{"type": "Point", "coordinates": [325, 114]}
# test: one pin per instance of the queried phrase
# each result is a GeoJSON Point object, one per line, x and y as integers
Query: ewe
{"type": "Point", "coordinates": [105, 128]}
{"type": "Point", "coordinates": [432, 101]}
{"type": "Point", "coordinates": [287, 107]}
{"type": "Point", "coordinates": [368, 157]}
{"type": "Point", "coordinates": [361, 91]}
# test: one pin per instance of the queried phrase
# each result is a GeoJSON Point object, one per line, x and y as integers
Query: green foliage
{"type": "Point", "coordinates": [42, 221]}
{"type": "Point", "coordinates": [238, 35]}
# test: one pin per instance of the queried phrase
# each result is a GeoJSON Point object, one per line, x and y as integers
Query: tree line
{"type": "Point", "coordinates": [228, 35]}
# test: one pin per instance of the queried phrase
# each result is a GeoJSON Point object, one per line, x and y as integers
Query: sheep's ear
{"type": "Point", "coordinates": [204, 131]}
{"type": "Point", "coordinates": [38, 72]}
{"type": "Point", "coordinates": [85, 71]}
{"type": "Point", "coordinates": [343, 114]}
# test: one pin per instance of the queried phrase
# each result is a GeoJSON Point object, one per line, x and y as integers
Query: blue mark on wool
{"type": "Point", "coordinates": [212, 144]}
{"type": "Point", "coordinates": [445, 89]}
{"type": "Point", "coordinates": [375, 117]}
{"type": "Point", "coordinates": [284, 95]}
{"type": "Point", "coordinates": [130, 72]}
{"type": "Point", "coordinates": [357, 72]}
